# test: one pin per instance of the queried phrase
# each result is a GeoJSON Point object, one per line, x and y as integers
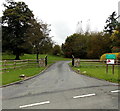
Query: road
{"type": "Point", "coordinates": [61, 88]}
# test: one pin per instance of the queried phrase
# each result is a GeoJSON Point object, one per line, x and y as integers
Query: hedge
{"type": "Point", "coordinates": [103, 57]}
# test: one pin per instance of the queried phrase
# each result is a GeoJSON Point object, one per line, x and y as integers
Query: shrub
{"type": "Point", "coordinates": [56, 50]}
{"type": "Point", "coordinates": [103, 57]}
{"type": "Point", "coordinates": [115, 49]}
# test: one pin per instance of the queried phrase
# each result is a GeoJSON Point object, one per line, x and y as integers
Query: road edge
{"type": "Point", "coordinates": [92, 77]}
{"type": "Point", "coordinates": [31, 77]}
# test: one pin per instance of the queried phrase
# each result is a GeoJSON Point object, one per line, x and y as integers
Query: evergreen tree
{"type": "Point", "coordinates": [15, 21]}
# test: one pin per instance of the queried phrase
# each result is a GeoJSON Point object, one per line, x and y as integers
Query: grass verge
{"type": "Point", "coordinates": [12, 75]}
{"type": "Point", "coordinates": [98, 71]}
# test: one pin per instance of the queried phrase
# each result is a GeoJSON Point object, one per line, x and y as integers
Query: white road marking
{"type": "Point", "coordinates": [115, 91]}
{"type": "Point", "coordinates": [35, 104]}
{"type": "Point", "coordinates": [82, 96]}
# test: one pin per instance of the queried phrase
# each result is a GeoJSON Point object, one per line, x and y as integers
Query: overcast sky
{"type": "Point", "coordinates": [63, 15]}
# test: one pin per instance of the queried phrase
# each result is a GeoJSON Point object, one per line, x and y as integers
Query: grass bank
{"type": "Point", "coordinates": [98, 70]}
{"type": "Point", "coordinates": [12, 75]}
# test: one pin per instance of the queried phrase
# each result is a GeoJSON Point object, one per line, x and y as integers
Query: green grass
{"type": "Point", "coordinates": [32, 56]}
{"type": "Point", "coordinates": [98, 70]}
{"type": "Point", "coordinates": [7, 56]}
{"type": "Point", "coordinates": [51, 59]}
{"type": "Point", "coordinates": [12, 75]}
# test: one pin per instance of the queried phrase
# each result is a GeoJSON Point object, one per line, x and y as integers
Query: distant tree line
{"type": "Point", "coordinates": [23, 33]}
{"type": "Point", "coordinates": [94, 44]}
{"type": "Point", "coordinates": [87, 46]}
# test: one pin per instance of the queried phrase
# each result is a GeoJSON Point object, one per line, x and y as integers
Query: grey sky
{"type": "Point", "coordinates": [119, 11]}
{"type": "Point", "coordinates": [63, 15]}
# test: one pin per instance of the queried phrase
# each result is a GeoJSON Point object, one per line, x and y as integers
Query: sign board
{"type": "Point", "coordinates": [110, 61]}
{"type": "Point", "coordinates": [110, 56]}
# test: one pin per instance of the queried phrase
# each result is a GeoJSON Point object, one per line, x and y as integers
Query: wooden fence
{"type": "Point", "coordinates": [13, 64]}
{"type": "Point", "coordinates": [95, 63]}
{"type": "Point", "coordinates": [77, 62]}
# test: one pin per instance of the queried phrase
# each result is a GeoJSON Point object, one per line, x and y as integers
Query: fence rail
{"type": "Point", "coordinates": [96, 63]}
{"type": "Point", "coordinates": [13, 64]}
{"type": "Point", "coordinates": [92, 62]}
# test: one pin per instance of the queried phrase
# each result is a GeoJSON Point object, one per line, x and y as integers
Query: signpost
{"type": "Point", "coordinates": [110, 61]}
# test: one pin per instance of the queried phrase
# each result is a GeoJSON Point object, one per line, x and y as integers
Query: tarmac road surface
{"type": "Point", "coordinates": [61, 88]}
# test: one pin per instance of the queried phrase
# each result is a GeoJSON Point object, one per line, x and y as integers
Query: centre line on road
{"type": "Point", "coordinates": [35, 104]}
{"type": "Point", "coordinates": [115, 91]}
{"type": "Point", "coordinates": [82, 96]}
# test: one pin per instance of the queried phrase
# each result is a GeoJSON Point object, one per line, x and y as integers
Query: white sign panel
{"type": "Point", "coordinates": [110, 61]}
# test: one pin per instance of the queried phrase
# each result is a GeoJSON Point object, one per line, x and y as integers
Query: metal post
{"type": "Point", "coordinates": [46, 61]}
{"type": "Point", "coordinates": [72, 60]}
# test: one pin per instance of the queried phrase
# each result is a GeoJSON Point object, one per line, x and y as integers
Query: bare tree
{"type": "Point", "coordinates": [79, 29]}
{"type": "Point", "coordinates": [87, 31]}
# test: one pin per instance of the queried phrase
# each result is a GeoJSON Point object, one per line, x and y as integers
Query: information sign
{"type": "Point", "coordinates": [110, 56]}
{"type": "Point", "coordinates": [110, 61]}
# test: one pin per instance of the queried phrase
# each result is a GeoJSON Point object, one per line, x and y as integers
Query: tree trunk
{"type": "Point", "coordinates": [37, 56]}
{"type": "Point", "coordinates": [17, 56]}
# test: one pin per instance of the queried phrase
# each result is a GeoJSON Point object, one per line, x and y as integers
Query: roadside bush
{"type": "Point", "coordinates": [76, 45]}
{"type": "Point", "coordinates": [103, 57]}
{"type": "Point", "coordinates": [56, 50]}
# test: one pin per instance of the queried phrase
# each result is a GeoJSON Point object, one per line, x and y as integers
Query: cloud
{"type": "Point", "coordinates": [63, 15]}
{"type": "Point", "coordinates": [61, 30]}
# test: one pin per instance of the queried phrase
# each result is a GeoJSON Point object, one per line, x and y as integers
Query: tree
{"type": "Point", "coordinates": [115, 37]}
{"type": "Point", "coordinates": [91, 45]}
{"type": "Point", "coordinates": [75, 45]}
{"type": "Point", "coordinates": [56, 50]}
{"type": "Point", "coordinates": [98, 44]}
{"type": "Point", "coordinates": [46, 46]}
{"type": "Point", "coordinates": [38, 37]}
{"type": "Point", "coordinates": [87, 31]}
{"type": "Point", "coordinates": [79, 29]}
{"type": "Point", "coordinates": [47, 43]}
{"type": "Point", "coordinates": [111, 23]}
{"type": "Point", "coordinates": [15, 21]}
{"type": "Point", "coordinates": [67, 47]}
